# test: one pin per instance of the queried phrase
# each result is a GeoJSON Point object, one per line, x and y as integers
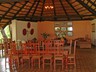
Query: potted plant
{"type": "Point", "coordinates": [34, 40]}
{"type": "Point", "coordinates": [45, 35]}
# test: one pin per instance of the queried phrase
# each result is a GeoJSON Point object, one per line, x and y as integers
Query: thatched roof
{"type": "Point", "coordinates": [34, 10]}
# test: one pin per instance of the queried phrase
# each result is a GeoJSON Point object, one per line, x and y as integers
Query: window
{"type": "Point", "coordinates": [1, 37]}
{"type": "Point", "coordinates": [7, 32]}
{"type": "Point", "coordinates": [57, 28]}
{"type": "Point", "coordinates": [63, 29]}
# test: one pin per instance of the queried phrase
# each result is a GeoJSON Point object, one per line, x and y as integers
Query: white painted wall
{"type": "Point", "coordinates": [13, 30]}
{"type": "Point", "coordinates": [94, 33]}
{"type": "Point", "coordinates": [20, 25]}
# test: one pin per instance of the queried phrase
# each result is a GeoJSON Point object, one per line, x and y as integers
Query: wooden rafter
{"type": "Point", "coordinates": [64, 10]}
{"type": "Point", "coordinates": [6, 18]}
{"type": "Point", "coordinates": [87, 7]}
{"type": "Point", "coordinates": [64, 19]}
{"type": "Point", "coordinates": [16, 14]}
{"type": "Point", "coordinates": [54, 10]}
{"type": "Point", "coordinates": [35, 10]}
{"type": "Point", "coordinates": [30, 9]}
{"type": "Point", "coordinates": [74, 8]}
{"type": "Point", "coordinates": [93, 3]}
{"type": "Point", "coordinates": [15, 5]}
{"type": "Point", "coordinates": [42, 10]}
{"type": "Point", "coordinates": [87, 2]}
{"type": "Point", "coordinates": [3, 1]}
{"type": "Point", "coordinates": [7, 11]}
{"type": "Point", "coordinates": [8, 7]}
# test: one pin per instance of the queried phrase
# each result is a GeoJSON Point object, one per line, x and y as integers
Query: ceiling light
{"type": "Point", "coordinates": [49, 7]}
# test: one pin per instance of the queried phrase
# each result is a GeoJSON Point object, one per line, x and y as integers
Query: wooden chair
{"type": "Point", "coordinates": [36, 55]}
{"type": "Point", "coordinates": [47, 54]}
{"type": "Point", "coordinates": [58, 56]}
{"type": "Point", "coordinates": [72, 56]}
{"type": "Point", "coordinates": [14, 55]}
{"type": "Point", "coordinates": [70, 46]}
{"type": "Point", "coordinates": [25, 54]}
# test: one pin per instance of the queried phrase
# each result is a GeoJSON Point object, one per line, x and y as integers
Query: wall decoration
{"type": "Point", "coordinates": [28, 25]}
{"type": "Point", "coordinates": [24, 31]}
{"type": "Point", "coordinates": [28, 31]}
{"type": "Point", "coordinates": [31, 31]}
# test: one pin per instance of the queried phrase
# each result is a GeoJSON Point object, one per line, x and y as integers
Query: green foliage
{"type": "Point", "coordinates": [45, 35]}
{"type": "Point", "coordinates": [63, 34]}
{"type": "Point", "coordinates": [7, 31]}
{"type": "Point", "coordinates": [1, 35]}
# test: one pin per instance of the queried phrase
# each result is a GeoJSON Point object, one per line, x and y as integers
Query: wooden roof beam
{"type": "Point", "coordinates": [7, 11]}
{"type": "Point", "coordinates": [30, 9]}
{"type": "Point", "coordinates": [6, 18]}
{"type": "Point", "coordinates": [35, 10]}
{"type": "Point", "coordinates": [54, 10]}
{"type": "Point", "coordinates": [16, 14]}
{"type": "Point", "coordinates": [3, 1]}
{"type": "Point", "coordinates": [93, 3]}
{"type": "Point", "coordinates": [74, 9]}
{"type": "Point", "coordinates": [64, 10]}
{"type": "Point", "coordinates": [87, 7]}
{"type": "Point", "coordinates": [8, 7]}
{"type": "Point", "coordinates": [42, 9]}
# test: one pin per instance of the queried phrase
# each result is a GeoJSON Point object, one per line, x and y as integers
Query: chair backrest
{"type": "Point", "coordinates": [58, 50]}
{"type": "Point", "coordinates": [29, 44]}
{"type": "Point", "coordinates": [24, 48]}
{"type": "Point", "coordinates": [48, 46]}
{"type": "Point", "coordinates": [70, 47]}
{"type": "Point", "coordinates": [65, 53]}
{"type": "Point", "coordinates": [75, 47]}
{"type": "Point", "coordinates": [5, 45]}
{"type": "Point", "coordinates": [37, 49]}
{"type": "Point", "coordinates": [13, 48]}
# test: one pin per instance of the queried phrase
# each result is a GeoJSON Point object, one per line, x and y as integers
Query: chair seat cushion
{"type": "Point", "coordinates": [47, 56]}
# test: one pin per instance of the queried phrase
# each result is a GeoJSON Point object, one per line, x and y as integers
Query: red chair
{"type": "Point", "coordinates": [36, 55]}
{"type": "Point", "coordinates": [15, 57]}
{"type": "Point", "coordinates": [25, 54]}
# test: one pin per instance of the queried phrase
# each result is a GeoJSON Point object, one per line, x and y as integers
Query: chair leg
{"type": "Point", "coordinates": [17, 63]}
{"type": "Point", "coordinates": [32, 63]}
{"type": "Point", "coordinates": [39, 63]}
{"type": "Point", "coordinates": [62, 64]}
{"type": "Point", "coordinates": [23, 62]}
{"type": "Point", "coordinates": [74, 63]}
{"type": "Point", "coordinates": [54, 65]}
{"type": "Point", "coordinates": [29, 62]}
{"type": "Point", "coordinates": [50, 63]}
{"type": "Point", "coordinates": [43, 63]}
{"type": "Point", "coordinates": [66, 63]}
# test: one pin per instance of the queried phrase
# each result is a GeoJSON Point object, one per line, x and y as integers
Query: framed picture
{"type": "Point", "coordinates": [93, 27]}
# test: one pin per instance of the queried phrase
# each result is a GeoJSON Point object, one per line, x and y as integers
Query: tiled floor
{"type": "Point", "coordinates": [85, 58]}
